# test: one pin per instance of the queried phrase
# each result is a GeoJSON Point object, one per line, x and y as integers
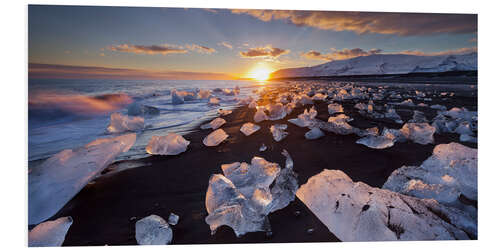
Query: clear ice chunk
{"type": "Point", "coordinates": [354, 211]}
{"type": "Point", "coordinates": [173, 219]}
{"type": "Point", "coordinates": [421, 133]}
{"type": "Point", "coordinates": [177, 97]}
{"type": "Point", "coordinates": [278, 131]}
{"type": "Point", "coordinates": [213, 101]}
{"type": "Point", "coordinates": [50, 233]}
{"type": "Point", "coordinates": [276, 111]}
{"type": "Point", "coordinates": [223, 112]}
{"type": "Point", "coordinates": [170, 144]}
{"type": "Point", "coordinates": [249, 128]}
{"type": "Point", "coordinates": [260, 115]}
{"type": "Point", "coordinates": [52, 184]}
{"type": "Point", "coordinates": [335, 108]}
{"type": "Point", "coordinates": [215, 138]}
{"type": "Point", "coordinates": [121, 123]}
{"type": "Point", "coordinates": [153, 230]}
{"type": "Point", "coordinates": [214, 124]}
{"type": "Point", "coordinates": [376, 142]}
{"type": "Point", "coordinates": [242, 197]}
{"type": "Point", "coordinates": [314, 133]}
{"type": "Point", "coordinates": [468, 138]}
{"type": "Point", "coordinates": [136, 109]}
{"type": "Point", "coordinates": [263, 147]}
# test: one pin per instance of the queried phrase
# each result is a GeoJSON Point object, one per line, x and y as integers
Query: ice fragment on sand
{"type": "Point", "coordinates": [354, 211]}
{"type": "Point", "coordinates": [242, 199]}
{"type": "Point", "coordinates": [438, 107]}
{"type": "Point", "coordinates": [335, 108]}
{"type": "Point", "coordinates": [260, 115]}
{"type": "Point", "coordinates": [153, 230]}
{"type": "Point", "coordinates": [173, 219]}
{"type": "Point", "coordinates": [49, 233]}
{"type": "Point", "coordinates": [464, 128]}
{"type": "Point", "coordinates": [213, 101]}
{"type": "Point", "coordinates": [52, 184]}
{"type": "Point", "coordinates": [215, 138]}
{"type": "Point", "coordinates": [305, 119]}
{"type": "Point", "coordinates": [249, 128]}
{"type": "Point", "coordinates": [339, 118]}
{"type": "Point", "coordinates": [376, 142]}
{"type": "Point", "coordinates": [391, 114]}
{"type": "Point", "coordinates": [418, 117]}
{"type": "Point", "coordinates": [204, 94]}
{"type": "Point", "coordinates": [421, 133]}
{"type": "Point", "coordinates": [278, 131]}
{"type": "Point", "coordinates": [170, 144]}
{"type": "Point", "coordinates": [214, 124]}
{"type": "Point", "coordinates": [314, 133]}
{"type": "Point", "coordinates": [121, 123]}
{"type": "Point", "coordinates": [276, 111]}
{"type": "Point", "coordinates": [177, 98]}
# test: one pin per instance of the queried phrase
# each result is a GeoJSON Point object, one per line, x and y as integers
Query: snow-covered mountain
{"type": "Point", "coordinates": [380, 64]}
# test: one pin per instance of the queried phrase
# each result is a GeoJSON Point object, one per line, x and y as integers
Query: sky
{"type": "Point", "coordinates": [181, 43]}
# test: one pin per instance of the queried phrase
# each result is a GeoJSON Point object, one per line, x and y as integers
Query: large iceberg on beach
{"type": "Point", "coordinates": [214, 124]}
{"type": "Point", "coordinates": [153, 230]}
{"type": "Point", "coordinates": [241, 198]}
{"type": "Point", "coordinates": [171, 144]}
{"type": "Point", "coordinates": [50, 233]}
{"type": "Point", "coordinates": [121, 123]}
{"type": "Point", "coordinates": [249, 128]}
{"type": "Point", "coordinates": [215, 138]}
{"type": "Point", "coordinates": [52, 184]}
{"type": "Point", "coordinates": [354, 211]}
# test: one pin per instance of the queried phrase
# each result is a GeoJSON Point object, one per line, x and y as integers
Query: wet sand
{"type": "Point", "coordinates": [105, 211]}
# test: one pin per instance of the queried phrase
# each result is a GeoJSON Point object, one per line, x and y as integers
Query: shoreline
{"type": "Point", "coordinates": [105, 211]}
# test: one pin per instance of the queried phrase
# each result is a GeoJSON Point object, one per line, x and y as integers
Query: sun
{"type": "Point", "coordinates": [260, 72]}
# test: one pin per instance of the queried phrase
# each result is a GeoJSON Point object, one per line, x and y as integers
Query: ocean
{"type": "Point", "coordinates": [69, 113]}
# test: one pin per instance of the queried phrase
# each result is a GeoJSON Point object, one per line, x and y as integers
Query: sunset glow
{"type": "Point", "coordinates": [260, 73]}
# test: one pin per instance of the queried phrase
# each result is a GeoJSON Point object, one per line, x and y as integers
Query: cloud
{"type": "Point", "coordinates": [339, 54]}
{"type": "Point", "coordinates": [200, 49]}
{"type": "Point", "coordinates": [226, 44]}
{"type": "Point", "coordinates": [151, 49]}
{"type": "Point", "coordinates": [264, 52]}
{"type": "Point", "coordinates": [403, 24]}
{"type": "Point", "coordinates": [37, 70]}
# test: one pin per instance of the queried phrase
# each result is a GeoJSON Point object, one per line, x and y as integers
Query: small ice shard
{"type": "Point", "coordinates": [50, 233]}
{"type": "Point", "coordinates": [319, 97]}
{"type": "Point", "coordinates": [303, 99]}
{"type": "Point", "coordinates": [418, 117]}
{"type": "Point", "coordinates": [314, 133]}
{"type": "Point", "coordinates": [376, 142]}
{"type": "Point", "coordinates": [223, 112]}
{"type": "Point", "coordinates": [170, 144]}
{"type": "Point", "coordinates": [339, 118]}
{"type": "Point", "coordinates": [354, 211]}
{"type": "Point", "coordinates": [213, 101]}
{"type": "Point", "coordinates": [153, 230]}
{"type": "Point", "coordinates": [335, 108]}
{"type": "Point", "coordinates": [438, 107]}
{"type": "Point", "coordinates": [263, 147]}
{"type": "Point", "coordinates": [422, 105]}
{"type": "Point", "coordinates": [421, 133]}
{"type": "Point", "coordinates": [121, 123]}
{"type": "Point", "coordinates": [276, 111]}
{"type": "Point", "coordinates": [393, 134]}
{"type": "Point", "coordinates": [204, 94]}
{"type": "Point", "coordinates": [214, 124]}
{"type": "Point", "coordinates": [361, 106]}
{"type": "Point", "coordinates": [177, 98]}
{"type": "Point", "coordinates": [289, 161]}
{"type": "Point", "coordinates": [391, 114]}
{"type": "Point", "coordinates": [249, 128]}
{"type": "Point", "coordinates": [242, 197]}
{"type": "Point", "coordinates": [340, 126]}
{"type": "Point", "coordinates": [278, 131]}
{"type": "Point", "coordinates": [305, 119]}
{"type": "Point", "coordinates": [173, 219]}
{"type": "Point", "coordinates": [215, 138]}
{"type": "Point", "coordinates": [468, 138]}
{"type": "Point", "coordinates": [136, 109]}
{"type": "Point", "coordinates": [53, 183]}
{"type": "Point", "coordinates": [260, 115]}
{"type": "Point", "coordinates": [407, 102]}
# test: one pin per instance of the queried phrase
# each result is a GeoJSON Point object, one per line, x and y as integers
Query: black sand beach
{"type": "Point", "coordinates": [105, 211]}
